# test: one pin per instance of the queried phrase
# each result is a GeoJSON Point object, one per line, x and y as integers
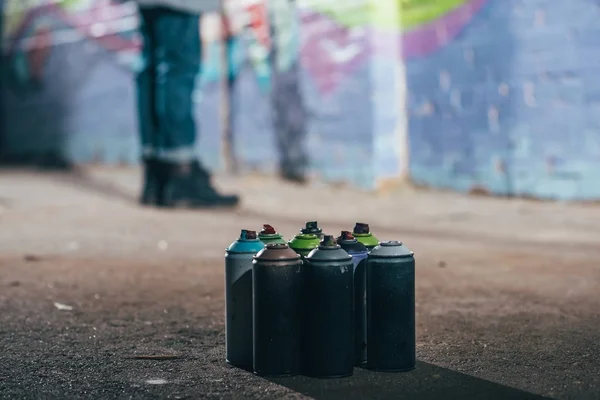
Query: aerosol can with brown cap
{"type": "Point", "coordinates": [277, 283]}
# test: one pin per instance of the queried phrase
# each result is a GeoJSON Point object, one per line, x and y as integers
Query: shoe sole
{"type": "Point", "coordinates": [148, 202]}
{"type": "Point", "coordinates": [183, 205]}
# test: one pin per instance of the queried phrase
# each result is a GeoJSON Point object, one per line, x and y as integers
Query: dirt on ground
{"type": "Point", "coordinates": [497, 318]}
{"type": "Point", "coordinates": [522, 321]}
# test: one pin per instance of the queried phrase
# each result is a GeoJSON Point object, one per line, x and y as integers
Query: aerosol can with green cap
{"type": "Point", "coordinates": [308, 239]}
{"type": "Point", "coordinates": [312, 227]}
{"type": "Point", "coordinates": [362, 233]}
{"type": "Point", "coordinates": [304, 243]}
{"type": "Point", "coordinates": [268, 234]}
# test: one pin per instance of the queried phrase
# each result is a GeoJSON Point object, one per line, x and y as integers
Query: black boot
{"type": "Point", "coordinates": [189, 186]}
{"type": "Point", "coordinates": [294, 177]}
{"type": "Point", "coordinates": [153, 183]}
{"type": "Point", "coordinates": [292, 174]}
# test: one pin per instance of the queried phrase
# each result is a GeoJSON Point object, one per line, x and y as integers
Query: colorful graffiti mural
{"type": "Point", "coordinates": [351, 78]}
{"type": "Point", "coordinates": [421, 27]}
{"type": "Point", "coordinates": [323, 59]}
{"type": "Point", "coordinates": [248, 42]}
{"type": "Point", "coordinates": [491, 95]}
{"type": "Point", "coordinates": [499, 95]}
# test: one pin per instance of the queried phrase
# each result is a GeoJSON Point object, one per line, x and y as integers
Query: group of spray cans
{"type": "Point", "coordinates": [318, 305]}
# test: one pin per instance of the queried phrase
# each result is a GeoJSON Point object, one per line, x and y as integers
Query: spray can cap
{"type": "Point", "coordinates": [277, 252]}
{"type": "Point", "coordinates": [248, 235]}
{"type": "Point", "coordinates": [268, 230]}
{"type": "Point", "coordinates": [346, 236]}
{"type": "Point", "coordinates": [391, 249]}
{"type": "Point", "coordinates": [246, 243]}
{"type": "Point", "coordinates": [362, 228]}
{"type": "Point", "coordinates": [311, 227]}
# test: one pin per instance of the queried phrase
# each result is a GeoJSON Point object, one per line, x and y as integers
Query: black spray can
{"type": "Point", "coordinates": [391, 308]}
{"type": "Point", "coordinates": [328, 347]}
{"type": "Point", "coordinates": [238, 298]}
{"type": "Point", "coordinates": [277, 303]}
{"type": "Point", "coordinates": [359, 253]}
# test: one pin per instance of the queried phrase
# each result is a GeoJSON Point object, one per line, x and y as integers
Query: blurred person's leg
{"type": "Point", "coordinates": [178, 58]}
{"type": "Point", "coordinates": [176, 46]}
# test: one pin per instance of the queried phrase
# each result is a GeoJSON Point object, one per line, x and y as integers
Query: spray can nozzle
{"type": "Point", "coordinates": [248, 235]}
{"type": "Point", "coordinates": [268, 230]}
{"type": "Point", "coordinates": [277, 246]}
{"type": "Point", "coordinates": [346, 236]}
{"type": "Point", "coordinates": [328, 241]}
{"type": "Point", "coordinates": [362, 228]}
{"type": "Point", "coordinates": [311, 227]}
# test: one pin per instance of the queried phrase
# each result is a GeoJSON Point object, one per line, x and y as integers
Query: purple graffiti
{"type": "Point", "coordinates": [331, 51]}
{"type": "Point", "coordinates": [428, 38]}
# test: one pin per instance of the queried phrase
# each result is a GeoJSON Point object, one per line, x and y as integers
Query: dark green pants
{"type": "Point", "coordinates": [172, 57]}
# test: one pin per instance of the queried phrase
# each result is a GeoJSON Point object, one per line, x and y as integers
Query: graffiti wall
{"type": "Point", "coordinates": [314, 93]}
{"type": "Point", "coordinates": [503, 97]}
{"type": "Point", "coordinates": [488, 95]}
{"type": "Point", "coordinates": [352, 87]}
{"type": "Point", "coordinates": [65, 65]}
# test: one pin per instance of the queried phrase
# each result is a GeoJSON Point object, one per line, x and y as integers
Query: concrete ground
{"type": "Point", "coordinates": [100, 298]}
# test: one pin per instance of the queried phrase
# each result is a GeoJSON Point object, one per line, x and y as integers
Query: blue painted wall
{"type": "Point", "coordinates": [511, 105]}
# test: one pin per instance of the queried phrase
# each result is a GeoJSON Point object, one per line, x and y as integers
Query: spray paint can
{"type": "Point", "coordinates": [328, 348]}
{"type": "Point", "coordinates": [304, 243]}
{"type": "Point", "coordinates": [359, 253]}
{"type": "Point", "coordinates": [312, 227]}
{"type": "Point", "coordinates": [238, 298]}
{"type": "Point", "coordinates": [277, 301]}
{"type": "Point", "coordinates": [362, 233]}
{"type": "Point", "coordinates": [391, 308]}
{"type": "Point", "coordinates": [268, 234]}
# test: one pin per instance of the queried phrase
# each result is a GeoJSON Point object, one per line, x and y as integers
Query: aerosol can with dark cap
{"type": "Point", "coordinates": [238, 298]}
{"type": "Point", "coordinates": [278, 306]}
{"type": "Point", "coordinates": [312, 227]}
{"type": "Point", "coordinates": [391, 308]}
{"type": "Point", "coordinates": [359, 254]}
{"type": "Point", "coordinates": [362, 233]}
{"type": "Point", "coordinates": [328, 348]}
{"type": "Point", "coordinates": [268, 234]}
